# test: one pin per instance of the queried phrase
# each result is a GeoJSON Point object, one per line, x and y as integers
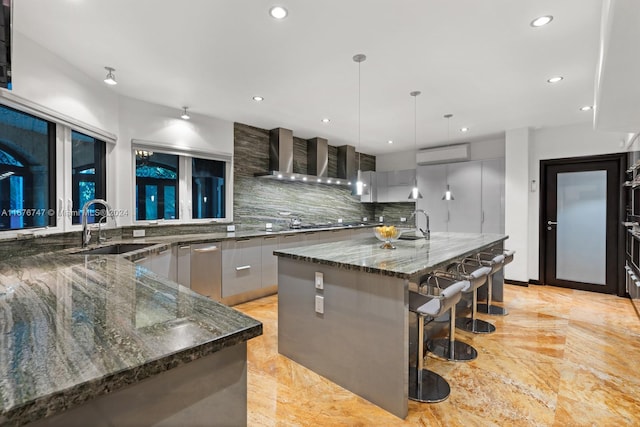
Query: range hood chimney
{"type": "Point", "coordinates": [281, 150]}
{"type": "Point", "coordinates": [318, 157]}
{"type": "Point", "coordinates": [347, 162]}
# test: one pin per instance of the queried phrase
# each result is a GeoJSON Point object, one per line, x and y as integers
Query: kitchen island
{"type": "Point", "coordinates": [97, 340]}
{"type": "Point", "coordinates": [343, 308]}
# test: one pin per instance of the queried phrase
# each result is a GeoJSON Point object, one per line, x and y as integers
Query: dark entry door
{"type": "Point", "coordinates": [580, 223]}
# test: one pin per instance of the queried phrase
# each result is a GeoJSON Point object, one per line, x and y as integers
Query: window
{"type": "Point", "coordinates": [88, 173]}
{"type": "Point", "coordinates": [207, 188]}
{"type": "Point", "coordinates": [180, 185]}
{"type": "Point", "coordinates": [156, 185]}
{"type": "Point", "coordinates": [27, 171]}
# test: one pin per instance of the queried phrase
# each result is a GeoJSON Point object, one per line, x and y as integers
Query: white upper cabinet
{"type": "Point", "coordinates": [478, 191]}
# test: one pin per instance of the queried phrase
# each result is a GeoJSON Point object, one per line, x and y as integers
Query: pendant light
{"type": "Point", "coordinates": [359, 58]}
{"type": "Point", "coordinates": [447, 193]}
{"type": "Point", "coordinates": [185, 115]}
{"type": "Point", "coordinates": [415, 193]}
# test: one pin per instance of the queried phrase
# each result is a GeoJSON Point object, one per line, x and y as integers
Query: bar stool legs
{"type": "Point", "coordinates": [488, 308]}
{"type": "Point", "coordinates": [477, 326]}
{"type": "Point", "coordinates": [424, 385]}
{"type": "Point", "coordinates": [449, 348]}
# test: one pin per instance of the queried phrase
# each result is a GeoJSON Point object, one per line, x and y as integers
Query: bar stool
{"type": "Point", "coordinates": [476, 278]}
{"type": "Point", "coordinates": [424, 385]}
{"type": "Point", "coordinates": [449, 348]}
{"type": "Point", "coordinates": [495, 263]}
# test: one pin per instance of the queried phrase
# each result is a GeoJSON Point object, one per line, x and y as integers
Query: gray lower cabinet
{"type": "Point", "coordinates": [205, 269]}
{"type": "Point", "coordinates": [355, 233]}
{"type": "Point", "coordinates": [162, 263]}
{"type": "Point", "coordinates": [241, 266]}
{"type": "Point", "coordinates": [269, 261]}
{"type": "Point", "coordinates": [183, 256]}
{"type": "Point", "coordinates": [291, 240]}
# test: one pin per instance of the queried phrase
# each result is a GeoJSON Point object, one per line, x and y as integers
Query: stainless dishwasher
{"type": "Point", "coordinates": [206, 269]}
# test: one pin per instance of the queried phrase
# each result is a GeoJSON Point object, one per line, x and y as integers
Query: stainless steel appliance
{"type": "Point", "coordinates": [206, 269]}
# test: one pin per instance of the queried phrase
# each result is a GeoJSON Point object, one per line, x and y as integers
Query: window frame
{"type": "Point", "coordinates": [60, 162]}
{"type": "Point", "coordinates": [185, 215]}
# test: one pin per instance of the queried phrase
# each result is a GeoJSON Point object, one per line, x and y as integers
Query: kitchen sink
{"type": "Point", "coordinates": [115, 249]}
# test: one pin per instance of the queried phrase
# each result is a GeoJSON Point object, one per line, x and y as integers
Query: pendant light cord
{"type": "Point", "coordinates": [359, 106]}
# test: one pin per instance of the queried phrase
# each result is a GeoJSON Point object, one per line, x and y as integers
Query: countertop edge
{"type": "Point", "coordinates": [76, 395]}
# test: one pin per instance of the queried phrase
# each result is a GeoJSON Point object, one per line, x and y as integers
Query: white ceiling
{"type": "Point", "coordinates": [478, 60]}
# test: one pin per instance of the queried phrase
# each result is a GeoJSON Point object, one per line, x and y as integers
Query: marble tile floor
{"type": "Point", "coordinates": [560, 358]}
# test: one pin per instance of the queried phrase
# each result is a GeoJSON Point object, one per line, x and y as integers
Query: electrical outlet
{"type": "Point", "coordinates": [319, 280]}
{"type": "Point", "coordinates": [339, 220]}
{"type": "Point", "coordinates": [139, 233]}
{"type": "Point", "coordinates": [269, 226]}
{"type": "Point", "coordinates": [231, 228]}
{"type": "Point", "coordinates": [319, 304]}
{"type": "Point", "coordinates": [365, 219]}
{"type": "Point", "coordinates": [381, 219]}
{"type": "Point", "coordinates": [403, 219]}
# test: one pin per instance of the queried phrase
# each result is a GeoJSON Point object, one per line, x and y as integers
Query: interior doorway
{"type": "Point", "coordinates": [580, 223]}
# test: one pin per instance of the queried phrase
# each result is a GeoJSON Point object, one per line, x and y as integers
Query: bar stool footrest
{"type": "Point", "coordinates": [462, 352]}
{"type": "Point", "coordinates": [493, 310]}
{"type": "Point", "coordinates": [433, 388]}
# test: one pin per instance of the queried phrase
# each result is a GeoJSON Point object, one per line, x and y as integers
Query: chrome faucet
{"type": "Point", "coordinates": [427, 233]}
{"type": "Point", "coordinates": [86, 233]}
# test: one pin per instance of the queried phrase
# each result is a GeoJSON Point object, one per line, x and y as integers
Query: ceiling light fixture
{"type": "Point", "coordinates": [325, 120]}
{"type": "Point", "coordinates": [359, 58]}
{"type": "Point", "coordinates": [555, 79]}
{"type": "Point", "coordinates": [278, 12]}
{"type": "Point", "coordinates": [111, 78]}
{"type": "Point", "coordinates": [415, 194]}
{"type": "Point", "coordinates": [464, 129]}
{"type": "Point", "coordinates": [185, 115]}
{"type": "Point", "coordinates": [258, 98]}
{"type": "Point", "coordinates": [541, 21]}
{"type": "Point", "coordinates": [389, 142]}
{"type": "Point", "coordinates": [447, 192]}
{"type": "Point", "coordinates": [586, 108]}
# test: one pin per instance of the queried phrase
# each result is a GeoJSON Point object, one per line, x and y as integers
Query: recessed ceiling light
{"type": "Point", "coordinates": [586, 108]}
{"type": "Point", "coordinates": [543, 20]}
{"type": "Point", "coordinates": [258, 98]}
{"type": "Point", "coordinates": [389, 142]}
{"type": "Point", "coordinates": [278, 12]}
{"type": "Point", "coordinates": [325, 120]}
{"type": "Point", "coordinates": [464, 129]}
{"type": "Point", "coordinates": [555, 79]}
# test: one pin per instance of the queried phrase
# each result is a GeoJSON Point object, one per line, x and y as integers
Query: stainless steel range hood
{"type": "Point", "coordinates": [281, 160]}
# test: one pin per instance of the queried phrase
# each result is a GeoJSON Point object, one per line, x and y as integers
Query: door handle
{"type": "Point", "coordinates": [552, 223]}
{"type": "Point", "coordinates": [244, 267]}
{"type": "Point", "coordinates": [205, 250]}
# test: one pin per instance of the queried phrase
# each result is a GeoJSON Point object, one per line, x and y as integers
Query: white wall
{"type": "Point", "coordinates": [555, 143]}
{"type": "Point", "coordinates": [46, 79]}
{"type": "Point", "coordinates": [155, 123]}
{"type": "Point", "coordinates": [517, 143]}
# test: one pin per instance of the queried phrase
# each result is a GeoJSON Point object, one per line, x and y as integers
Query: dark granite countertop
{"type": "Point", "coordinates": [73, 327]}
{"type": "Point", "coordinates": [410, 258]}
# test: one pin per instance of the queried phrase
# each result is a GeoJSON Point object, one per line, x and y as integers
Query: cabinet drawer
{"type": "Point", "coordinates": [241, 266]}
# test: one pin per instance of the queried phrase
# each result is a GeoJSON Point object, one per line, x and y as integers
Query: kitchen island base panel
{"type": "Point", "coordinates": [211, 391]}
{"type": "Point", "coordinates": [361, 340]}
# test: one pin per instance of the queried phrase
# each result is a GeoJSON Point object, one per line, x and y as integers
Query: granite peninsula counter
{"type": "Point", "coordinates": [343, 308]}
{"type": "Point", "coordinates": [110, 342]}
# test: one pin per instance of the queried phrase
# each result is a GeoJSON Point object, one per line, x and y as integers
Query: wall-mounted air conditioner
{"type": "Point", "coordinates": [445, 154]}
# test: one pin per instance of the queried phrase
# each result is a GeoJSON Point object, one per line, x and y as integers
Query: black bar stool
{"type": "Point", "coordinates": [425, 385]}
